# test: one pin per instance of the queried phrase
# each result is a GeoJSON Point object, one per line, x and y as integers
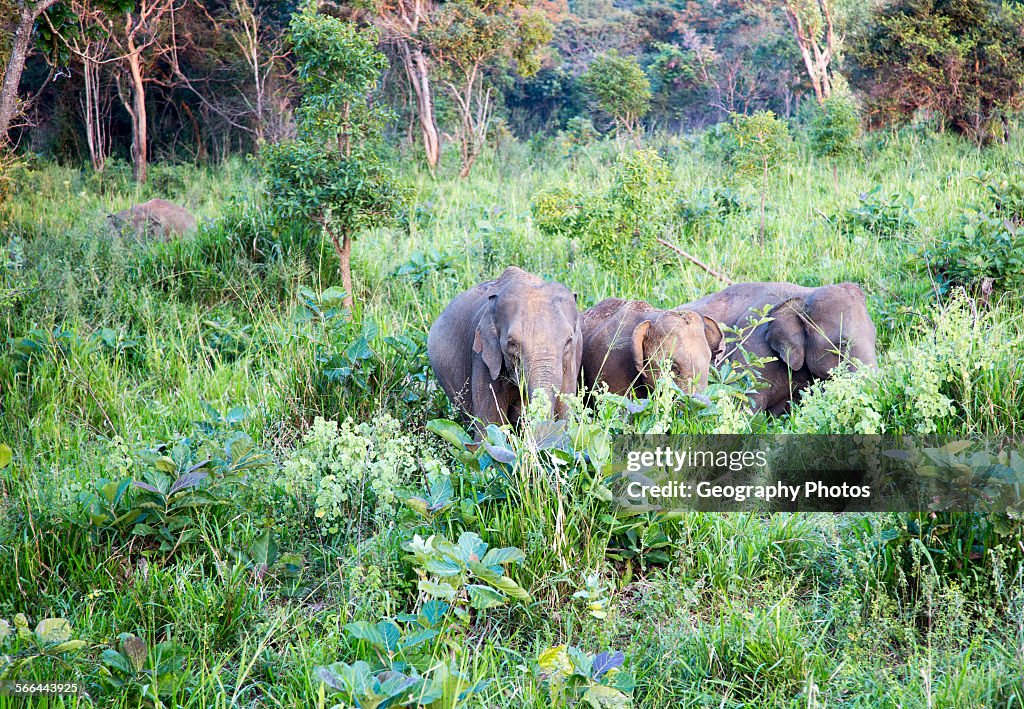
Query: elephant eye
{"type": "Point", "coordinates": [513, 347]}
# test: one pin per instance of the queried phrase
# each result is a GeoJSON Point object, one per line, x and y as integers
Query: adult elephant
{"type": "Point", "coordinates": [812, 331]}
{"type": "Point", "coordinates": [504, 338]}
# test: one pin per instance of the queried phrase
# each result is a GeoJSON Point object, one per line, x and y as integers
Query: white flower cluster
{"type": "Point", "coordinates": [352, 472]}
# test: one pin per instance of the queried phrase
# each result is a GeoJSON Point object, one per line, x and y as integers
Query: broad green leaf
{"type": "Point", "coordinates": [70, 646]}
{"type": "Point", "coordinates": [53, 630]}
{"type": "Point", "coordinates": [599, 696]}
{"type": "Point", "coordinates": [443, 567]}
{"type": "Point", "coordinates": [555, 659]}
{"type": "Point", "coordinates": [5, 455]}
{"type": "Point", "coordinates": [166, 464]}
{"type": "Point", "coordinates": [450, 431]}
{"type": "Point", "coordinates": [437, 590]}
{"type": "Point", "coordinates": [507, 555]}
{"type": "Point", "coordinates": [418, 638]}
{"type": "Point", "coordinates": [511, 588]}
{"type": "Point", "coordinates": [484, 597]}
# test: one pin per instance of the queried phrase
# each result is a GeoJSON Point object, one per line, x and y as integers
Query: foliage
{"type": "Point", "coordinates": [351, 475]}
{"type": "Point", "coordinates": [143, 673]}
{"type": "Point", "coordinates": [466, 39]}
{"type": "Point", "coordinates": [758, 143]}
{"type": "Point", "coordinates": [676, 77]}
{"type": "Point", "coordinates": [575, 676]}
{"type": "Point", "coordinates": [620, 227]}
{"type": "Point", "coordinates": [984, 248]}
{"type": "Point", "coordinates": [175, 491]}
{"type": "Point", "coordinates": [835, 128]}
{"type": "Point", "coordinates": [619, 89]}
{"type": "Point", "coordinates": [467, 573]}
{"type": "Point", "coordinates": [885, 215]}
{"type": "Point", "coordinates": [22, 646]}
{"type": "Point", "coordinates": [912, 53]}
{"type": "Point", "coordinates": [331, 174]}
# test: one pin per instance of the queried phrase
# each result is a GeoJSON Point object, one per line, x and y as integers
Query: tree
{"type": "Point", "coordinates": [401, 22]}
{"type": "Point", "coordinates": [813, 26]}
{"type": "Point", "coordinates": [833, 130]}
{"type": "Point", "coordinates": [137, 38]}
{"type": "Point", "coordinates": [28, 14]}
{"type": "Point", "coordinates": [759, 143]}
{"type": "Point", "coordinates": [331, 175]}
{"type": "Point", "coordinates": [962, 61]}
{"type": "Point", "coordinates": [620, 90]}
{"type": "Point", "coordinates": [466, 38]}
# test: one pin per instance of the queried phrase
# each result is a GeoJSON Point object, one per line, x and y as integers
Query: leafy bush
{"type": "Point", "coordinates": [619, 89]}
{"type": "Point", "coordinates": [881, 214]}
{"type": "Point", "coordinates": [834, 128]}
{"type": "Point", "coordinates": [980, 251]}
{"type": "Point", "coordinates": [620, 227]}
{"type": "Point", "coordinates": [351, 475]}
{"type": "Point", "coordinates": [984, 248]}
{"type": "Point", "coordinates": [178, 486]}
{"type": "Point", "coordinates": [465, 574]}
{"type": "Point", "coordinates": [572, 675]}
{"type": "Point", "coordinates": [757, 144]}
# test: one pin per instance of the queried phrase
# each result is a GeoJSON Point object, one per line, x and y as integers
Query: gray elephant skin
{"type": "Point", "coordinates": [515, 334]}
{"type": "Point", "coordinates": [813, 330]}
{"type": "Point", "coordinates": [626, 344]}
{"type": "Point", "coordinates": [157, 217]}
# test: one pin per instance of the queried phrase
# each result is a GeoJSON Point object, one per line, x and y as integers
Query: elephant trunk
{"type": "Point", "coordinates": [546, 376]}
{"type": "Point", "coordinates": [863, 357]}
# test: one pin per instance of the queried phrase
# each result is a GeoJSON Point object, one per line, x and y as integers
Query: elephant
{"type": "Point", "coordinates": [155, 217]}
{"type": "Point", "coordinates": [503, 338]}
{"type": "Point", "coordinates": [812, 331]}
{"type": "Point", "coordinates": [627, 342]}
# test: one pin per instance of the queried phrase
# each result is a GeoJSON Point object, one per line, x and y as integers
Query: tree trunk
{"type": "Point", "coordinates": [16, 64]}
{"type": "Point", "coordinates": [138, 114]}
{"type": "Point", "coordinates": [343, 248]}
{"type": "Point", "coordinates": [417, 70]}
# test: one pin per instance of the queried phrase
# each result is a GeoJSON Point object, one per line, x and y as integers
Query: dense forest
{"type": "Point", "coordinates": [253, 256]}
{"type": "Point", "coordinates": [185, 80]}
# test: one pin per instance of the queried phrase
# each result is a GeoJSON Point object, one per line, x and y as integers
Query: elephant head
{"type": "Point", "coordinates": [529, 333]}
{"type": "Point", "coordinates": [682, 339]}
{"type": "Point", "coordinates": [824, 329]}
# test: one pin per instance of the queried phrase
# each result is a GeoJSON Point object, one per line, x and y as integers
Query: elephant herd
{"type": "Point", "coordinates": [520, 335]}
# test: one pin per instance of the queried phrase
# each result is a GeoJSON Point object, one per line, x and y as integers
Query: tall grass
{"type": "Point", "coordinates": [115, 345]}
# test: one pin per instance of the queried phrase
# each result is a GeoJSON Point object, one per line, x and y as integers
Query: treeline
{"type": "Point", "coordinates": [202, 79]}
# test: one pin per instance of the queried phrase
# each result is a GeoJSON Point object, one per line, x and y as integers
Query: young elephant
{"type": "Point", "coordinates": [813, 330]}
{"type": "Point", "coordinates": [626, 343]}
{"type": "Point", "coordinates": [157, 217]}
{"type": "Point", "coordinates": [517, 333]}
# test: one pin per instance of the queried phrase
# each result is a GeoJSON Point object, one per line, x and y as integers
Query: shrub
{"type": "Point", "coordinates": [984, 248]}
{"type": "Point", "coordinates": [351, 474]}
{"type": "Point", "coordinates": [758, 143]}
{"type": "Point", "coordinates": [620, 227]}
{"type": "Point", "coordinates": [834, 128]}
{"type": "Point", "coordinates": [619, 89]}
{"type": "Point", "coordinates": [882, 214]}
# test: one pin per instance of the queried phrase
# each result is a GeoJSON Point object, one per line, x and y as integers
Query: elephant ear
{"type": "Point", "coordinates": [485, 343]}
{"type": "Point", "coordinates": [639, 335]}
{"type": "Point", "coordinates": [713, 333]}
{"type": "Point", "coordinates": [786, 334]}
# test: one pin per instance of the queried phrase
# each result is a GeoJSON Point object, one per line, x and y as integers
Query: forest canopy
{"type": "Point", "coordinates": [200, 79]}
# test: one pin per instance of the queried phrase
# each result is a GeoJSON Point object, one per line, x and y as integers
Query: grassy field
{"type": "Point", "coordinates": [217, 354]}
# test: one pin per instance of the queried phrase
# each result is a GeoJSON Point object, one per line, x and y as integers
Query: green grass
{"type": "Point", "coordinates": [750, 610]}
